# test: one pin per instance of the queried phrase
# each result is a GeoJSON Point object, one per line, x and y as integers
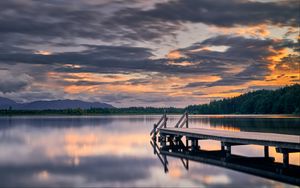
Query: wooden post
{"type": "Point", "coordinates": [187, 120]}
{"type": "Point", "coordinates": [187, 164]}
{"type": "Point", "coordinates": [187, 142]}
{"type": "Point", "coordinates": [228, 150]}
{"type": "Point", "coordinates": [165, 163]}
{"type": "Point", "coordinates": [165, 120]}
{"type": "Point", "coordinates": [285, 159]}
{"type": "Point", "coordinates": [194, 144]}
{"type": "Point", "coordinates": [222, 146]}
{"type": "Point", "coordinates": [154, 133]}
{"type": "Point", "coordinates": [266, 151]}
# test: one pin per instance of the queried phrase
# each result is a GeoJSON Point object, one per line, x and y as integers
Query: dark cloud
{"type": "Point", "coordinates": [42, 21]}
{"type": "Point", "coordinates": [152, 98]}
{"type": "Point", "coordinates": [224, 13]}
{"type": "Point", "coordinates": [249, 53]}
{"type": "Point", "coordinates": [254, 71]}
{"type": "Point", "coordinates": [27, 22]}
{"type": "Point", "coordinates": [109, 59]}
{"type": "Point", "coordinates": [13, 82]}
{"type": "Point", "coordinates": [196, 84]}
{"type": "Point", "coordinates": [118, 31]}
{"type": "Point", "coordinates": [288, 63]}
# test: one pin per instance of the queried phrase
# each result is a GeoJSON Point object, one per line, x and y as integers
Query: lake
{"type": "Point", "coordinates": [93, 151]}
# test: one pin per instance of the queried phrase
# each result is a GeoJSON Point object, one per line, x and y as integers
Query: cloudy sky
{"type": "Point", "coordinates": [146, 53]}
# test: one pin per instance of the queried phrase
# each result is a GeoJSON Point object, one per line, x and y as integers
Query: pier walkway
{"type": "Point", "coordinates": [283, 143]}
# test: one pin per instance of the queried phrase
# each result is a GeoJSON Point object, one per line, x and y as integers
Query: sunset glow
{"type": "Point", "coordinates": [148, 56]}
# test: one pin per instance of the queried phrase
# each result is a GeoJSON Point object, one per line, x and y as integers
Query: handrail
{"type": "Point", "coordinates": [161, 123]}
{"type": "Point", "coordinates": [183, 120]}
{"type": "Point", "coordinates": [156, 125]}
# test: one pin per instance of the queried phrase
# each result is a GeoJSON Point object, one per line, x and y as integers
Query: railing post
{"type": "Point", "coordinates": [165, 120]}
{"type": "Point", "coordinates": [228, 149]}
{"type": "Point", "coordinates": [266, 151]}
{"type": "Point", "coordinates": [285, 159]}
{"type": "Point", "coordinates": [154, 133]}
{"type": "Point", "coordinates": [187, 119]}
{"type": "Point", "coordinates": [222, 146]}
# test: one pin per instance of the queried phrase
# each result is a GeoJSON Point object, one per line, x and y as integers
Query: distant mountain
{"type": "Point", "coordinates": [6, 103]}
{"type": "Point", "coordinates": [51, 105]}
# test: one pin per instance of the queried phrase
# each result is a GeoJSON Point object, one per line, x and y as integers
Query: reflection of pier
{"type": "Point", "coordinates": [171, 144]}
{"type": "Point", "coordinates": [260, 166]}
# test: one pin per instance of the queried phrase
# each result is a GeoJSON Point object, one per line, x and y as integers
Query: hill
{"type": "Point", "coordinates": [6, 103]}
{"type": "Point", "coordinates": [285, 100]}
{"type": "Point", "coordinates": [51, 105]}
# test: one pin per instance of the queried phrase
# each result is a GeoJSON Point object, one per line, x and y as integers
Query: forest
{"type": "Point", "coordinates": [285, 100]}
{"type": "Point", "coordinates": [95, 111]}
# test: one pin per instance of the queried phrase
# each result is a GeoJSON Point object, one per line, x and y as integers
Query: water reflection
{"type": "Point", "coordinates": [105, 151]}
{"type": "Point", "coordinates": [260, 166]}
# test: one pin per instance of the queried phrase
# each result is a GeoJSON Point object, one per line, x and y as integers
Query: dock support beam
{"type": "Point", "coordinates": [227, 149]}
{"type": "Point", "coordinates": [187, 142]}
{"type": "Point", "coordinates": [266, 151]}
{"type": "Point", "coordinates": [222, 146]}
{"type": "Point", "coordinates": [195, 144]}
{"type": "Point", "coordinates": [165, 120]}
{"type": "Point", "coordinates": [163, 140]}
{"type": "Point", "coordinates": [187, 120]}
{"type": "Point", "coordinates": [285, 159]}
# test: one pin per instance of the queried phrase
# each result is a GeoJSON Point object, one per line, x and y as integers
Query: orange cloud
{"type": "Point", "coordinates": [42, 52]}
{"type": "Point", "coordinates": [182, 63]}
{"type": "Point", "coordinates": [253, 31]}
{"type": "Point", "coordinates": [175, 55]}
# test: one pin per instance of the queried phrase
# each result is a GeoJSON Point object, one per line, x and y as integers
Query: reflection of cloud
{"type": "Point", "coordinates": [90, 144]}
{"type": "Point", "coordinates": [75, 139]}
{"type": "Point", "coordinates": [88, 151]}
{"type": "Point", "coordinates": [220, 179]}
{"type": "Point", "coordinates": [213, 176]}
{"type": "Point", "coordinates": [43, 175]}
{"type": "Point", "coordinates": [100, 170]}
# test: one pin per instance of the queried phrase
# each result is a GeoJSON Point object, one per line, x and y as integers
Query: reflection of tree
{"type": "Point", "coordinates": [274, 125]}
{"type": "Point", "coordinates": [60, 122]}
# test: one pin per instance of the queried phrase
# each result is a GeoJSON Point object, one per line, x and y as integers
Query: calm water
{"type": "Point", "coordinates": [115, 151]}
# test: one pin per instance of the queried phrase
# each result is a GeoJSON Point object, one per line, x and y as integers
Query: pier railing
{"type": "Point", "coordinates": [184, 120]}
{"type": "Point", "coordinates": [161, 123]}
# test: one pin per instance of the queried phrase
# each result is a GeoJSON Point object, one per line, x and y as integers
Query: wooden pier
{"type": "Point", "coordinates": [284, 144]}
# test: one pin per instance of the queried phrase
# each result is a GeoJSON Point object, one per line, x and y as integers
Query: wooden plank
{"type": "Point", "coordinates": [269, 139]}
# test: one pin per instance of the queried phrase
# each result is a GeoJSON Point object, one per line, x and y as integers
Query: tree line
{"type": "Point", "coordinates": [95, 111]}
{"type": "Point", "coordinates": [285, 100]}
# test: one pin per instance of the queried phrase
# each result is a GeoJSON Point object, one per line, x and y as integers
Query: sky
{"type": "Point", "coordinates": [146, 53]}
